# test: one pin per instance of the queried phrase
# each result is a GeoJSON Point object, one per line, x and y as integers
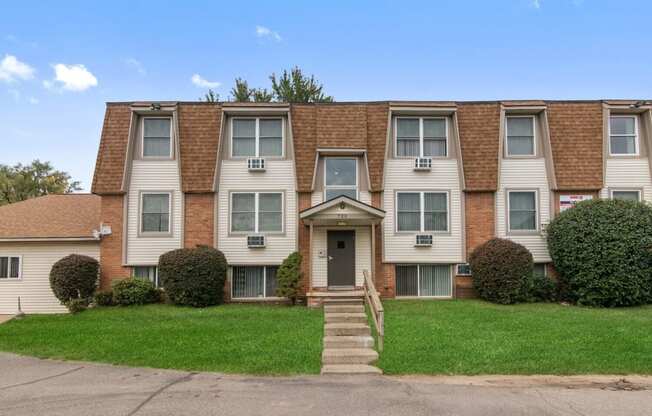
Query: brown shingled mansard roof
{"type": "Point", "coordinates": [575, 130]}
{"type": "Point", "coordinates": [70, 216]}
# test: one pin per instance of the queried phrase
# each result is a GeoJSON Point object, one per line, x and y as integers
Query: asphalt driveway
{"type": "Point", "coordinates": [31, 386]}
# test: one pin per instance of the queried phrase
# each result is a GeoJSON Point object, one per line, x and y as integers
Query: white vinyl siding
{"type": "Point", "coordinates": [524, 175]}
{"type": "Point", "coordinates": [623, 135]}
{"type": "Point", "coordinates": [320, 245]}
{"type": "Point", "coordinates": [628, 174]}
{"type": "Point", "coordinates": [421, 136]}
{"type": "Point", "coordinates": [153, 176]}
{"type": "Point", "coordinates": [424, 280]}
{"type": "Point", "coordinates": [33, 286]}
{"type": "Point", "coordinates": [448, 247]}
{"type": "Point", "coordinates": [279, 177]}
{"type": "Point", "coordinates": [248, 282]}
{"type": "Point", "coordinates": [256, 137]}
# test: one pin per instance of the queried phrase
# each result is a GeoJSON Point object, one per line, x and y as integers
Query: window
{"type": "Point", "coordinates": [10, 267]}
{"type": "Point", "coordinates": [341, 177]}
{"type": "Point", "coordinates": [464, 269]}
{"type": "Point", "coordinates": [540, 269]}
{"type": "Point", "coordinates": [257, 137]}
{"type": "Point", "coordinates": [628, 195]}
{"type": "Point", "coordinates": [520, 136]}
{"type": "Point", "coordinates": [254, 282]}
{"type": "Point", "coordinates": [623, 135]}
{"type": "Point", "coordinates": [156, 137]}
{"type": "Point", "coordinates": [257, 212]}
{"type": "Point", "coordinates": [424, 280]}
{"type": "Point", "coordinates": [522, 210]}
{"type": "Point", "coordinates": [422, 211]}
{"type": "Point", "coordinates": [421, 137]}
{"type": "Point", "coordinates": [155, 213]}
{"type": "Point", "coordinates": [146, 273]}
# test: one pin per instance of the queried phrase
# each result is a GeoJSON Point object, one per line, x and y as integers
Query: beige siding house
{"type": "Point", "coordinates": [35, 234]}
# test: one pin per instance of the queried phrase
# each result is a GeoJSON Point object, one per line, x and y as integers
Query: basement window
{"type": "Point", "coordinates": [253, 282]}
{"type": "Point", "coordinates": [147, 273]}
{"type": "Point", "coordinates": [424, 280]}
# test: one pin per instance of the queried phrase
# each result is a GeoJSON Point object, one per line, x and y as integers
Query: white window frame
{"type": "Point", "coordinates": [537, 212]}
{"type": "Point", "coordinates": [357, 180]}
{"type": "Point", "coordinates": [20, 268]}
{"type": "Point", "coordinates": [418, 266]}
{"type": "Point", "coordinates": [144, 233]}
{"type": "Point", "coordinates": [421, 139]}
{"type": "Point", "coordinates": [636, 135]}
{"type": "Point", "coordinates": [257, 138]}
{"type": "Point", "coordinates": [265, 295]}
{"type": "Point", "coordinates": [638, 191]}
{"type": "Point", "coordinates": [457, 269]}
{"type": "Point", "coordinates": [422, 212]}
{"type": "Point", "coordinates": [142, 138]}
{"type": "Point", "coordinates": [534, 136]}
{"type": "Point", "coordinates": [256, 212]}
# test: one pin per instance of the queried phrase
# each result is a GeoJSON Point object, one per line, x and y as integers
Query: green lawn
{"type": "Point", "coordinates": [253, 339]}
{"type": "Point", "coordinates": [474, 337]}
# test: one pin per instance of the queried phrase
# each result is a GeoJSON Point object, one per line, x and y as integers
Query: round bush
{"type": "Point", "coordinates": [135, 292]}
{"type": "Point", "coordinates": [104, 298]}
{"type": "Point", "coordinates": [602, 252]}
{"type": "Point", "coordinates": [501, 270]}
{"type": "Point", "coordinates": [74, 277]}
{"type": "Point", "coordinates": [193, 276]}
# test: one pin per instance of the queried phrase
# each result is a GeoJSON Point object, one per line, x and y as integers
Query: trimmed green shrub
{"type": "Point", "coordinates": [135, 292]}
{"type": "Point", "coordinates": [540, 289]}
{"type": "Point", "coordinates": [74, 277]}
{"type": "Point", "coordinates": [289, 278]}
{"type": "Point", "coordinates": [501, 270]}
{"type": "Point", "coordinates": [77, 305]}
{"type": "Point", "coordinates": [103, 298]}
{"type": "Point", "coordinates": [193, 276]}
{"type": "Point", "coordinates": [602, 250]}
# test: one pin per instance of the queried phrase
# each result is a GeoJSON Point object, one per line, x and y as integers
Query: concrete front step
{"type": "Point", "coordinates": [343, 301]}
{"type": "Point", "coordinates": [348, 356]}
{"type": "Point", "coordinates": [350, 369]}
{"type": "Point", "coordinates": [343, 309]}
{"type": "Point", "coordinates": [348, 342]}
{"type": "Point", "coordinates": [358, 318]}
{"type": "Point", "coordinates": [346, 329]}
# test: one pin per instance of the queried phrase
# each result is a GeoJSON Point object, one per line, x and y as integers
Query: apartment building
{"type": "Point", "coordinates": [404, 190]}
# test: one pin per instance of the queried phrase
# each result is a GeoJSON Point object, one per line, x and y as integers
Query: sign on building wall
{"type": "Point", "coordinates": [569, 201]}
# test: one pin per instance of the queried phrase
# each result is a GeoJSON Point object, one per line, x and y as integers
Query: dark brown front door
{"type": "Point", "coordinates": [341, 258]}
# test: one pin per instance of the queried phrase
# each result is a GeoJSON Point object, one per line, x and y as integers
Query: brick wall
{"type": "Point", "coordinates": [199, 222]}
{"type": "Point", "coordinates": [479, 217]}
{"type": "Point", "coordinates": [111, 246]}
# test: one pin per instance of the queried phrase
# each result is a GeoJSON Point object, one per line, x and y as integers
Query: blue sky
{"type": "Point", "coordinates": [61, 61]}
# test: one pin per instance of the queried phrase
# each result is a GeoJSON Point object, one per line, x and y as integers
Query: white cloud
{"type": "Point", "coordinates": [265, 32]}
{"type": "Point", "coordinates": [11, 69]}
{"type": "Point", "coordinates": [203, 83]}
{"type": "Point", "coordinates": [71, 78]}
{"type": "Point", "coordinates": [136, 64]}
{"type": "Point", "coordinates": [536, 4]}
{"type": "Point", "coordinates": [33, 100]}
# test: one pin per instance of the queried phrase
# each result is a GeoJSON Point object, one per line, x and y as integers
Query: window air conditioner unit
{"type": "Point", "coordinates": [256, 164]}
{"type": "Point", "coordinates": [255, 241]}
{"type": "Point", "coordinates": [423, 163]}
{"type": "Point", "coordinates": [423, 240]}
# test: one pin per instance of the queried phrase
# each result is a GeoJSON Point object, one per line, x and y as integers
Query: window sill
{"type": "Point", "coordinates": [150, 234]}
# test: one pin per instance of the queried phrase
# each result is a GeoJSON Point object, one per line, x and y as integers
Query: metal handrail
{"type": "Point", "coordinates": [376, 307]}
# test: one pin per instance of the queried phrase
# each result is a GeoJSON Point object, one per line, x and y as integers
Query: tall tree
{"type": "Point", "coordinates": [21, 182]}
{"type": "Point", "coordinates": [291, 87]}
{"type": "Point", "coordinates": [210, 97]}
{"type": "Point", "coordinates": [294, 87]}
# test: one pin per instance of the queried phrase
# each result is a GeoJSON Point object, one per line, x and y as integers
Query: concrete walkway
{"type": "Point", "coordinates": [5, 318]}
{"type": "Point", "coordinates": [31, 386]}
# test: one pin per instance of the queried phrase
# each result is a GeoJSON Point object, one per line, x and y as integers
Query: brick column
{"type": "Point", "coordinates": [199, 221]}
{"type": "Point", "coordinates": [112, 212]}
